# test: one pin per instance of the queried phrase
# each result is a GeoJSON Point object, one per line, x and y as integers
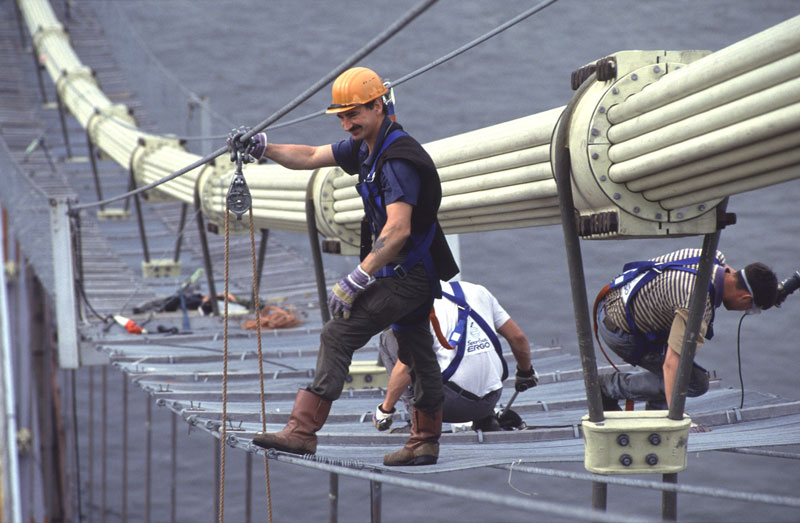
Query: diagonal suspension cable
{"type": "Point", "coordinates": [305, 95]}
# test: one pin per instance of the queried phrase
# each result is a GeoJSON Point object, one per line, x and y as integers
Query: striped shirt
{"type": "Point", "coordinates": [656, 306]}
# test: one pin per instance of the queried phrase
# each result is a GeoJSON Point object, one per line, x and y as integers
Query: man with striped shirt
{"type": "Point", "coordinates": [643, 320]}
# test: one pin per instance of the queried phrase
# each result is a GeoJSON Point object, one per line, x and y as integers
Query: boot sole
{"type": "Point", "coordinates": [416, 461]}
{"type": "Point", "coordinates": [282, 448]}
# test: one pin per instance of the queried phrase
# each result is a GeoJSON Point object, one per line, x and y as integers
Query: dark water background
{"type": "Point", "coordinates": [251, 58]}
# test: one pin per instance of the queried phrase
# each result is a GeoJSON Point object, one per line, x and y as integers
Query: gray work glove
{"type": "Point", "coordinates": [381, 419]}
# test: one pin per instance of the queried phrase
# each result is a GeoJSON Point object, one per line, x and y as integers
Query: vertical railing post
{"type": "Point", "coordinates": [580, 304]}
{"type": "Point", "coordinates": [179, 241]}
{"type": "Point", "coordinates": [375, 496]}
{"type": "Point", "coordinates": [38, 66]}
{"type": "Point", "coordinates": [148, 463]}
{"type": "Point", "coordinates": [9, 475]}
{"type": "Point", "coordinates": [248, 487]}
{"type": "Point", "coordinates": [333, 498]}
{"type": "Point", "coordinates": [64, 281]}
{"type": "Point", "coordinates": [63, 119]}
{"type": "Point", "coordinates": [104, 444]}
{"type": "Point", "coordinates": [262, 254]}
{"type": "Point", "coordinates": [697, 307]}
{"type": "Point", "coordinates": [316, 252]}
{"type": "Point", "coordinates": [139, 218]}
{"type": "Point", "coordinates": [201, 230]}
{"type": "Point", "coordinates": [95, 173]}
{"type": "Point", "coordinates": [124, 448]}
{"type": "Point", "coordinates": [91, 445]}
{"type": "Point", "coordinates": [173, 470]}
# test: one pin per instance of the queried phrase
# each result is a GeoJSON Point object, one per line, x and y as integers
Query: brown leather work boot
{"type": "Point", "coordinates": [298, 436]}
{"type": "Point", "coordinates": [422, 448]}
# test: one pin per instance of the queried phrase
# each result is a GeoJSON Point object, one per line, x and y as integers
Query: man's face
{"type": "Point", "coordinates": [362, 122]}
{"type": "Point", "coordinates": [734, 298]}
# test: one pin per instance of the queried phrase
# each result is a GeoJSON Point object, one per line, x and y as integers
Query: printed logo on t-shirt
{"type": "Point", "coordinates": [477, 341]}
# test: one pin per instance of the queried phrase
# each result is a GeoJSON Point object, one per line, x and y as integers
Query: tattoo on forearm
{"type": "Point", "coordinates": [378, 246]}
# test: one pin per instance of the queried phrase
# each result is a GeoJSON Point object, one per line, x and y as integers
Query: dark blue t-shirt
{"type": "Point", "coordinates": [400, 181]}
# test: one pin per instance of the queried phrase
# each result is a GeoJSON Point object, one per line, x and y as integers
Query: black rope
{"type": "Point", "coordinates": [739, 359]}
{"type": "Point", "coordinates": [308, 93]}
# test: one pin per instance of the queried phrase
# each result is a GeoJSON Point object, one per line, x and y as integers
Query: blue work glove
{"type": "Point", "coordinates": [525, 380]}
{"type": "Point", "coordinates": [252, 150]}
{"type": "Point", "coordinates": [382, 419]}
{"type": "Point", "coordinates": [344, 293]}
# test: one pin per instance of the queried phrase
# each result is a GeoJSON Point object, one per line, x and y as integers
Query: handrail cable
{"type": "Point", "coordinates": [308, 93]}
{"type": "Point", "coordinates": [656, 485]}
{"type": "Point", "coordinates": [571, 512]}
{"type": "Point", "coordinates": [494, 32]}
{"type": "Point", "coordinates": [456, 52]}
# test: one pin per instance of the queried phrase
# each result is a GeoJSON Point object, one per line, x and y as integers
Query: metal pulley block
{"type": "Point", "coordinates": [238, 198]}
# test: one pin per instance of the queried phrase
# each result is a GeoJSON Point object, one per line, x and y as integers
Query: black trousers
{"type": "Point", "coordinates": [387, 301]}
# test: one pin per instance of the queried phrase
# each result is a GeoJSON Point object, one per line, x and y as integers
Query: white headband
{"type": "Point", "coordinates": [754, 308]}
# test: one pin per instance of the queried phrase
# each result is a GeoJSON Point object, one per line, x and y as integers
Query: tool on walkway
{"type": "Point", "coordinates": [508, 405]}
{"type": "Point", "coordinates": [130, 325]}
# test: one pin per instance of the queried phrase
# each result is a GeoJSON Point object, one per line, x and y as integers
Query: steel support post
{"type": "Point", "coordinates": [64, 278]}
{"type": "Point", "coordinates": [124, 448]}
{"type": "Point", "coordinates": [201, 229]}
{"type": "Point", "coordinates": [63, 119]}
{"type": "Point", "coordinates": [217, 466]}
{"type": "Point", "coordinates": [139, 217]}
{"type": "Point", "coordinates": [375, 495]}
{"type": "Point", "coordinates": [173, 470]}
{"type": "Point", "coordinates": [20, 25]}
{"type": "Point", "coordinates": [91, 444]}
{"type": "Point", "coordinates": [248, 487]}
{"type": "Point", "coordinates": [580, 302]}
{"type": "Point", "coordinates": [11, 507]}
{"type": "Point", "coordinates": [95, 173]}
{"type": "Point", "coordinates": [333, 498]}
{"type": "Point", "coordinates": [316, 254]}
{"type": "Point", "coordinates": [148, 463]}
{"type": "Point", "coordinates": [179, 240]}
{"type": "Point", "coordinates": [38, 68]}
{"type": "Point", "coordinates": [104, 445]}
{"type": "Point", "coordinates": [262, 254]}
{"type": "Point", "coordinates": [669, 500]}
{"type": "Point", "coordinates": [697, 307]}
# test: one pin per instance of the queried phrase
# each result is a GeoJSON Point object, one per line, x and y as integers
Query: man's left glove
{"type": "Point", "coordinates": [525, 380]}
{"type": "Point", "coordinates": [344, 293]}
{"type": "Point", "coordinates": [382, 419]}
{"type": "Point", "coordinates": [252, 150]}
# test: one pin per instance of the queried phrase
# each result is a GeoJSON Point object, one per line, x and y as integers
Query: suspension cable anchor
{"type": "Point", "coordinates": [238, 198]}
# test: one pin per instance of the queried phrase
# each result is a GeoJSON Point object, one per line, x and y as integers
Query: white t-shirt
{"type": "Point", "coordinates": [480, 370]}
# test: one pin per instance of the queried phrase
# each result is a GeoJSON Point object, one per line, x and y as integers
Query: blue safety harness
{"type": "Point", "coordinates": [458, 338]}
{"type": "Point", "coordinates": [636, 275]}
{"type": "Point", "coordinates": [374, 205]}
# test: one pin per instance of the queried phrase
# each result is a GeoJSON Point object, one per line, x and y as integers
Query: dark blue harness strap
{"type": "Point", "coordinates": [458, 337]}
{"type": "Point", "coordinates": [650, 269]}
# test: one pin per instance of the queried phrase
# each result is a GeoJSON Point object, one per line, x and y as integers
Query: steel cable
{"type": "Point", "coordinates": [308, 93]}
{"type": "Point", "coordinates": [655, 485]}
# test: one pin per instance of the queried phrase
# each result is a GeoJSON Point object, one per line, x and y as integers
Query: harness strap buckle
{"type": "Point", "coordinates": [400, 272]}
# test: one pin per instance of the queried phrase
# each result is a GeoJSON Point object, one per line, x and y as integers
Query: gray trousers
{"type": "Point", "coordinates": [386, 301]}
{"type": "Point", "coordinates": [646, 385]}
{"type": "Point", "coordinates": [457, 407]}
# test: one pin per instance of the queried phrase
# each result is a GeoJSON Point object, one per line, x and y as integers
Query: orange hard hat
{"type": "Point", "coordinates": [355, 86]}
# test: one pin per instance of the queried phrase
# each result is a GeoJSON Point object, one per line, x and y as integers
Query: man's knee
{"type": "Point", "coordinates": [698, 385]}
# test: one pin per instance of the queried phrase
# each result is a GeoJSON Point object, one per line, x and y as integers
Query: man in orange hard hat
{"type": "Point", "coordinates": [398, 277]}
